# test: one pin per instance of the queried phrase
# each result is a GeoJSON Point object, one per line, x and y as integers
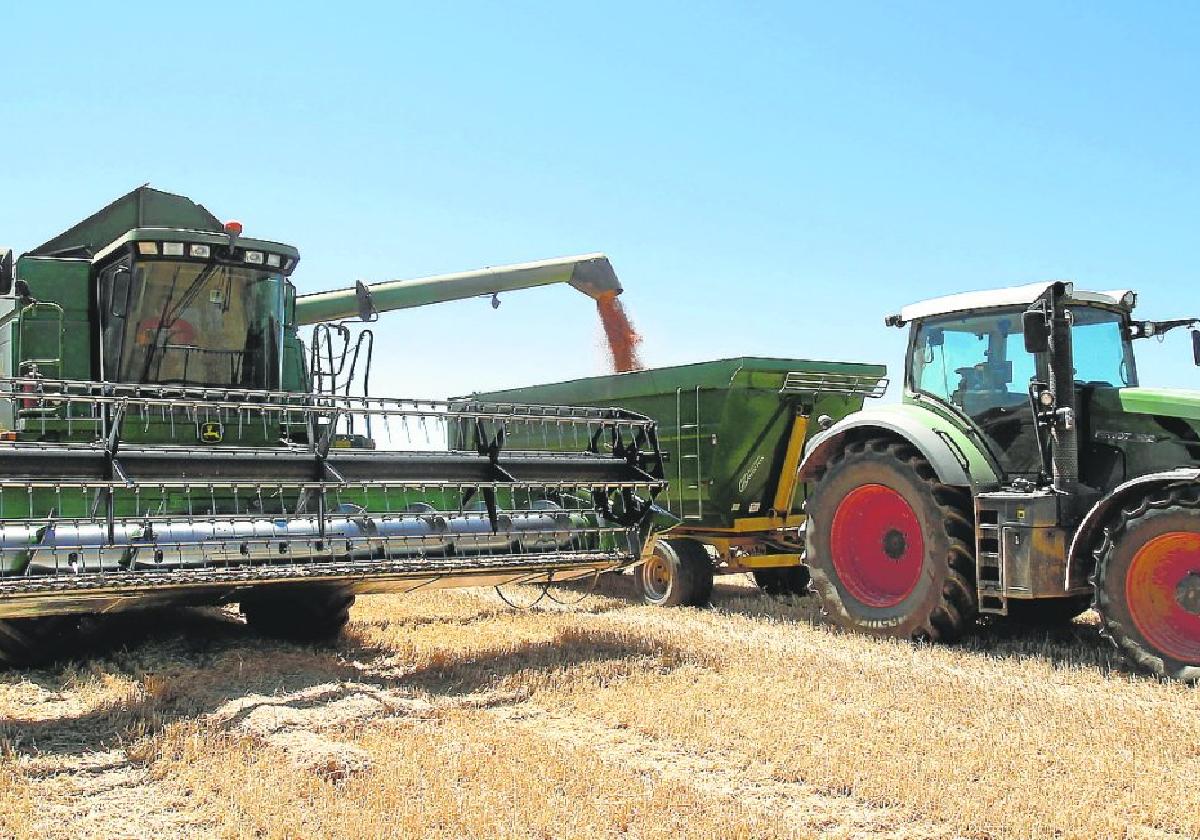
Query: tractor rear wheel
{"type": "Point", "coordinates": [1147, 583]}
{"type": "Point", "coordinates": [678, 573]}
{"type": "Point", "coordinates": [311, 614]}
{"type": "Point", "coordinates": [784, 582]}
{"type": "Point", "coordinates": [33, 641]}
{"type": "Point", "coordinates": [891, 548]}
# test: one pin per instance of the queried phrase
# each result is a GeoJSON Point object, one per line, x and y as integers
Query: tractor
{"type": "Point", "coordinates": [1024, 475]}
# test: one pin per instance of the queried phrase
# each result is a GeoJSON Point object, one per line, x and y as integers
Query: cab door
{"type": "Point", "coordinates": [977, 366]}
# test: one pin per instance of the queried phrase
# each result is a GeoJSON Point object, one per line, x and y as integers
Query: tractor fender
{"type": "Point", "coordinates": [955, 458]}
{"type": "Point", "coordinates": [1079, 561]}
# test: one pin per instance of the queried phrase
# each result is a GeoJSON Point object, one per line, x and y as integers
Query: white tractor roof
{"type": "Point", "coordinates": [1012, 296]}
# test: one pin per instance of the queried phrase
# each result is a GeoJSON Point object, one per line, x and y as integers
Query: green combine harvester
{"type": "Point", "coordinates": [167, 438]}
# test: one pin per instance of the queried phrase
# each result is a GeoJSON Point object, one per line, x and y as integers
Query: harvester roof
{"type": "Point", "coordinates": [1011, 296]}
{"type": "Point", "coordinates": [143, 207]}
{"type": "Point", "coordinates": [144, 214]}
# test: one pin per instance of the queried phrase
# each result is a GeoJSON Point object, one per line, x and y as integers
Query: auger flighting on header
{"type": "Point", "coordinates": [167, 438]}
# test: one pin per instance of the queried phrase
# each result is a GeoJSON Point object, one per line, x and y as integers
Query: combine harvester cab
{"type": "Point", "coordinates": [167, 439]}
{"type": "Point", "coordinates": [732, 433]}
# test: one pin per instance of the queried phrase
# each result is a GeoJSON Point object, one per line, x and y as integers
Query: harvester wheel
{"type": "Point", "coordinates": [784, 582]}
{"type": "Point", "coordinates": [679, 573]}
{"type": "Point", "coordinates": [32, 641]}
{"type": "Point", "coordinates": [891, 548]}
{"type": "Point", "coordinates": [1147, 583]}
{"type": "Point", "coordinates": [303, 615]}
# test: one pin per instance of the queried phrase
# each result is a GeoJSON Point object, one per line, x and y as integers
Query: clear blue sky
{"type": "Point", "coordinates": [767, 179]}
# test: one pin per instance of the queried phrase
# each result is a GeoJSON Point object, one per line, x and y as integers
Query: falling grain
{"type": "Point", "coordinates": [623, 339]}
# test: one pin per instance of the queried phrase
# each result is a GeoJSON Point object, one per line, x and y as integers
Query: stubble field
{"type": "Point", "coordinates": [449, 714]}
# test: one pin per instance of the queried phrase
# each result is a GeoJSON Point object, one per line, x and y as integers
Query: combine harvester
{"type": "Point", "coordinates": [1025, 475]}
{"type": "Point", "coordinates": [167, 439]}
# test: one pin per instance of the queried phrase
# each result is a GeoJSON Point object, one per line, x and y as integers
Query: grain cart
{"type": "Point", "coordinates": [732, 432]}
{"type": "Point", "coordinates": [1026, 474]}
{"type": "Point", "coordinates": [165, 438]}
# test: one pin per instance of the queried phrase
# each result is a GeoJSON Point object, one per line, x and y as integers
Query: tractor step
{"type": "Point", "coordinates": [989, 556]}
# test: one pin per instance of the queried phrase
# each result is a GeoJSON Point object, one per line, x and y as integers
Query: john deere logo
{"type": "Point", "coordinates": [211, 432]}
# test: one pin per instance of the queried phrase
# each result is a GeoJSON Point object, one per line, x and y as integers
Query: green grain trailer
{"type": "Point", "coordinates": [732, 432]}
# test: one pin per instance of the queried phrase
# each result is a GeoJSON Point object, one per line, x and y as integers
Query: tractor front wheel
{"type": "Point", "coordinates": [1147, 583]}
{"type": "Point", "coordinates": [890, 548]}
{"type": "Point", "coordinates": [678, 573]}
{"type": "Point", "coordinates": [311, 614]}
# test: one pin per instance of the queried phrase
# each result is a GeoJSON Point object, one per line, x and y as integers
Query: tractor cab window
{"type": "Point", "coordinates": [978, 364]}
{"type": "Point", "coordinates": [192, 323]}
{"type": "Point", "coordinates": [1101, 349]}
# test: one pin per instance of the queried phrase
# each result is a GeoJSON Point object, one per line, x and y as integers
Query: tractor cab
{"type": "Point", "coordinates": [968, 355]}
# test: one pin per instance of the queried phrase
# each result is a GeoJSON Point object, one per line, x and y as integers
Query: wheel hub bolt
{"type": "Point", "coordinates": [1187, 593]}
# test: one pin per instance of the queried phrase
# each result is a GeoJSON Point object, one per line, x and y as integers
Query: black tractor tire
{"type": "Point", "coordinates": [903, 563]}
{"type": "Point", "coordinates": [1047, 612]}
{"type": "Point", "coordinates": [784, 582]}
{"type": "Point", "coordinates": [1153, 619]}
{"type": "Point", "coordinates": [25, 642]}
{"type": "Point", "coordinates": [679, 573]}
{"type": "Point", "coordinates": [309, 614]}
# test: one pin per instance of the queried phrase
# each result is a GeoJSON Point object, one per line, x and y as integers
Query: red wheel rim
{"type": "Point", "coordinates": [1161, 591]}
{"type": "Point", "coordinates": [877, 546]}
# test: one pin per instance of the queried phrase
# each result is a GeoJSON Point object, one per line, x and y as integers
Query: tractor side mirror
{"type": "Point", "coordinates": [1036, 327]}
{"type": "Point", "coordinates": [1196, 347]}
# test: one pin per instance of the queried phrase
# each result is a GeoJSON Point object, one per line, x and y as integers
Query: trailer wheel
{"type": "Point", "coordinates": [1147, 584]}
{"type": "Point", "coordinates": [890, 548]}
{"type": "Point", "coordinates": [784, 582]}
{"type": "Point", "coordinates": [679, 573]}
{"type": "Point", "coordinates": [303, 615]}
{"type": "Point", "coordinates": [33, 641]}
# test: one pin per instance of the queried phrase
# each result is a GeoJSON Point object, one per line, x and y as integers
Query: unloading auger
{"type": "Point", "coordinates": [168, 439]}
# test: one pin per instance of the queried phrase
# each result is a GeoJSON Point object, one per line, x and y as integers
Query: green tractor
{"type": "Point", "coordinates": [1025, 474]}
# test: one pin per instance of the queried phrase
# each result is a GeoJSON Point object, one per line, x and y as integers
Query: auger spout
{"type": "Point", "coordinates": [591, 274]}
